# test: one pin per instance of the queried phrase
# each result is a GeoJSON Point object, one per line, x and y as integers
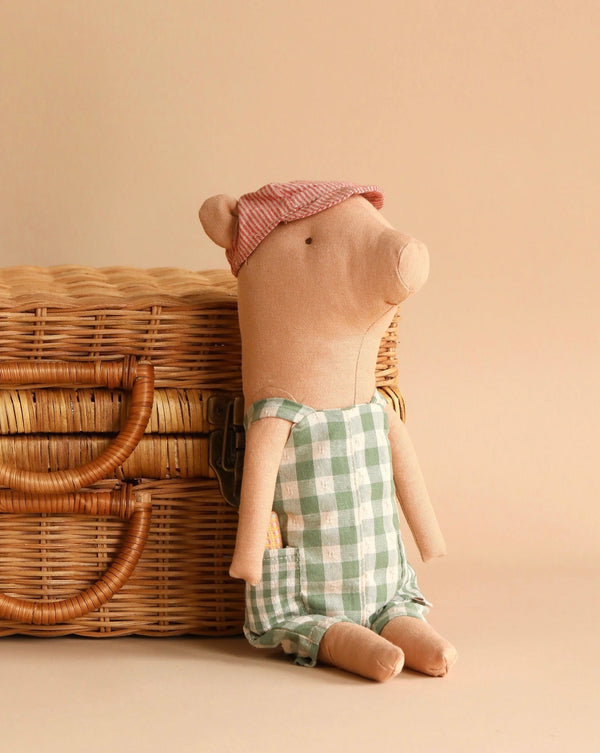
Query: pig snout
{"type": "Point", "coordinates": [413, 264]}
{"type": "Point", "coordinates": [407, 264]}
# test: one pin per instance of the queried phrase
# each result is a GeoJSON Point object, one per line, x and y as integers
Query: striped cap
{"type": "Point", "coordinates": [261, 211]}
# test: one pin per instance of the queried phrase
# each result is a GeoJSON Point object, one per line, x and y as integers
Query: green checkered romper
{"type": "Point", "coordinates": [343, 557]}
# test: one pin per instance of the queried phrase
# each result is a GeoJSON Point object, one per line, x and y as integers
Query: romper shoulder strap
{"type": "Point", "coordinates": [379, 399]}
{"type": "Point", "coordinates": [276, 407]}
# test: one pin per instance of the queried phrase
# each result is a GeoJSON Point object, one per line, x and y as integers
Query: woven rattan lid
{"type": "Point", "coordinates": [70, 286]}
{"type": "Point", "coordinates": [184, 322]}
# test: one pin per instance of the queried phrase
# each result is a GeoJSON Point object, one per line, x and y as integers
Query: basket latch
{"type": "Point", "coordinates": [226, 444]}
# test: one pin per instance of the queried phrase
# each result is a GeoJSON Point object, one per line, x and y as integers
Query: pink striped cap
{"type": "Point", "coordinates": [261, 211]}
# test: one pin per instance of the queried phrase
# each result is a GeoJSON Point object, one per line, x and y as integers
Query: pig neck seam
{"type": "Point", "coordinates": [275, 392]}
{"type": "Point", "coordinates": [360, 348]}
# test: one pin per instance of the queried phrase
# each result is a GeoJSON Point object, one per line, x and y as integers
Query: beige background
{"type": "Point", "coordinates": [481, 122]}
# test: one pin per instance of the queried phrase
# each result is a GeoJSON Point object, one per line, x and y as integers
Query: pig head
{"type": "Point", "coordinates": [315, 298]}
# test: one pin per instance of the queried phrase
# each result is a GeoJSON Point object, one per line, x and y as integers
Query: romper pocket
{"type": "Point", "coordinates": [277, 597]}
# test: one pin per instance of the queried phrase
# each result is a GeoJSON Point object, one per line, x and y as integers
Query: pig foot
{"type": "Point", "coordinates": [424, 649]}
{"type": "Point", "coordinates": [359, 650]}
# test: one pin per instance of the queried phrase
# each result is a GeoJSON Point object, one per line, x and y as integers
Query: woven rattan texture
{"type": "Point", "coordinates": [184, 322]}
{"type": "Point", "coordinates": [65, 411]}
{"type": "Point", "coordinates": [156, 455]}
{"type": "Point", "coordinates": [74, 287]}
{"type": "Point", "coordinates": [136, 509]}
{"type": "Point", "coordinates": [181, 582]}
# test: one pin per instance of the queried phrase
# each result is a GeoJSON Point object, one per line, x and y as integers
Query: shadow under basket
{"type": "Point", "coordinates": [179, 583]}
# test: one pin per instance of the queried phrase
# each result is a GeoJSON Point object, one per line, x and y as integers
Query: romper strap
{"type": "Point", "coordinates": [379, 399]}
{"type": "Point", "coordinates": [276, 407]}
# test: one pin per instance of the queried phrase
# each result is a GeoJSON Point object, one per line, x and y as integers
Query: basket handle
{"type": "Point", "coordinates": [395, 398]}
{"type": "Point", "coordinates": [128, 374]}
{"type": "Point", "coordinates": [136, 508]}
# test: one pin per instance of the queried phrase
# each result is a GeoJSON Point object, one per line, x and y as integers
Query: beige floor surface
{"type": "Point", "coordinates": [527, 680]}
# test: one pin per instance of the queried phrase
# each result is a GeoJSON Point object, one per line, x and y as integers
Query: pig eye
{"type": "Point", "coordinates": [308, 241]}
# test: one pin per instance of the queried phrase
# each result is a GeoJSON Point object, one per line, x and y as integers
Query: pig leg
{"type": "Point", "coordinates": [424, 649]}
{"type": "Point", "coordinates": [359, 650]}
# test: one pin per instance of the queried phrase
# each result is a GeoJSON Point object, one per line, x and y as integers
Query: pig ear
{"type": "Point", "coordinates": [219, 216]}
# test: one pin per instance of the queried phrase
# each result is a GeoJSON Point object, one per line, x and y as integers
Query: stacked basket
{"type": "Point", "coordinates": [120, 435]}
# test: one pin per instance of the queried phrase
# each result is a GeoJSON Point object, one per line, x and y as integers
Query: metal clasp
{"type": "Point", "coordinates": [227, 441]}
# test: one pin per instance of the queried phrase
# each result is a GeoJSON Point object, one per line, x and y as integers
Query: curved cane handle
{"type": "Point", "coordinates": [135, 508]}
{"type": "Point", "coordinates": [139, 377]}
{"type": "Point", "coordinates": [395, 398]}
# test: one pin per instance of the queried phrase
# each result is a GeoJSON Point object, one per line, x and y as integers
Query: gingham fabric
{"type": "Point", "coordinates": [274, 540]}
{"type": "Point", "coordinates": [261, 211]}
{"type": "Point", "coordinates": [343, 557]}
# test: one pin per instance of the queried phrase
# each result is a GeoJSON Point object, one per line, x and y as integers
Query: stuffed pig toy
{"type": "Point", "coordinates": [320, 276]}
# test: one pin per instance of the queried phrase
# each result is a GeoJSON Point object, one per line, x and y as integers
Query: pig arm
{"type": "Point", "coordinates": [265, 441]}
{"type": "Point", "coordinates": [412, 492]}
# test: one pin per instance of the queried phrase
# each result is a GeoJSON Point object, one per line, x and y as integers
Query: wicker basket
{"type": "Point", "coordinates": [107, 377]}
{"type": "Point", "coordinates": [181, 582]}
